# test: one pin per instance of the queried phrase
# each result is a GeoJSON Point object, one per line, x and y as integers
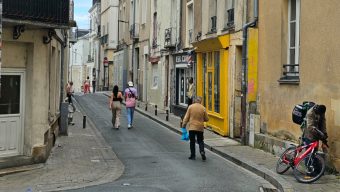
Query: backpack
{"type": "Point", "coordinates": [299, 111]}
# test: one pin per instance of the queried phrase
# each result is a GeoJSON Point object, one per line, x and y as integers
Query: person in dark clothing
{"type": "Point", "coordinates": [195, 117]}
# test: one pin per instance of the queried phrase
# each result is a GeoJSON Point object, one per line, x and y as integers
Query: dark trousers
{"type": "Point", "coordinates": [189, 101]}
{"type": "Point", "coordinates": [192, 136]}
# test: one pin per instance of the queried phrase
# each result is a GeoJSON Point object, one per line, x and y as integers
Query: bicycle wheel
{"type": "Point", "coordinates": [310, 168]}
{"type": "Point", "coordinates": [283, 163]}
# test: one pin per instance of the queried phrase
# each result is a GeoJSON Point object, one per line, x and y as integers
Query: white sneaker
{"type": "Point", "coordinates": [129, 126]}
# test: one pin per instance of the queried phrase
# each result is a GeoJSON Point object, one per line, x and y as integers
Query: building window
{"type": "Point", "coordinates": [213, 16]}
{"type": "Point", "coordinates": [154, 41]}
{"type": "Point", "coordinates": [229, 14]}
{"type": "Point", "coordinates": [190, 21]}
{"type": "Point", "coordinates": [291, 69]}
{"type": "Point", "coordinates": [211, 81]}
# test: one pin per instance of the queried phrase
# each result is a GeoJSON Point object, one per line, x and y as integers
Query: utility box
{"type": "Point", "coordinates": [63, 126]}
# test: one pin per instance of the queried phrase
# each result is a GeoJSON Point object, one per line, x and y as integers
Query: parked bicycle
{"type": "Point", "coordinates": [306, 161]}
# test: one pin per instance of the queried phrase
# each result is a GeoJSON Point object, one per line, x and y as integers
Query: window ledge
{"type": "Point", "coordinates": [229, 28]}
{"type": "Point", "coordinates": [212, 32]}
{"type": "Point", "coordinates": [289, 80]}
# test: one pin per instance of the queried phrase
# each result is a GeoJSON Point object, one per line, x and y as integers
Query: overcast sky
{"type": "Point", "coordinates": [81, 14]}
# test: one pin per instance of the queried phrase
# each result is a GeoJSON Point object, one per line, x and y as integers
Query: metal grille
{"type": "Point", "coordinates": [46, 11]}
{"type": "Point", "coordinates": [291, 70]}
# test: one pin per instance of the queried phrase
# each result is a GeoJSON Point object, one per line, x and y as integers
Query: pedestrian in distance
{"type": "Point", "coordinates": [194, 120]}
{"type": "Point", "coordinates": [131, 96]}
{"type": "Point", "coordinates": [69, 94]}
{"type": "Point", "coordinates": [190, 92]}
{"type": "Point", "coordinates": [87, 85]}
{"type": "Point", "coordinates": [94, 84]}
{"type": "Point", "coordinates": [115, 106]}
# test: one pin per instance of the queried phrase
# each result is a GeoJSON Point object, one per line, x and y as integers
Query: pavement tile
{"type": "Point", "coordinates": [81, 159]}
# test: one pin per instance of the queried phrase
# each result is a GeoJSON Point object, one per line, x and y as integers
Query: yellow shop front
{"type": "Point", "coordinates": [212, 80]}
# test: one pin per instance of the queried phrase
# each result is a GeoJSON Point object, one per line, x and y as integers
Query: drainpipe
{"type": "Point", "coordinates": [244, 85]}
{"type": "Point", "coordinates": [133, 43]}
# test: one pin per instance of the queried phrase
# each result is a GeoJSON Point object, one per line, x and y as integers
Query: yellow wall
{"type": "Point", "coordinates": [252, 64]}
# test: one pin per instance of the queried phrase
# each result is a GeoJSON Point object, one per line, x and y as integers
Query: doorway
{"type": "Point", "coordinates": [11, 112]}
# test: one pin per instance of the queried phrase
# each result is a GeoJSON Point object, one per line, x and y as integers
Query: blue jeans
{"type": "Point", "coordinates": [130, 111]}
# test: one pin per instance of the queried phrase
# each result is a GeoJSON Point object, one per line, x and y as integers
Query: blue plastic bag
{"type": "Point", "coordinates": [185, 134]}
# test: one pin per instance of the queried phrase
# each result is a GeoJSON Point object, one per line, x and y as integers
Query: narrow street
{"type": "Point", "coordinates": [155, 158]}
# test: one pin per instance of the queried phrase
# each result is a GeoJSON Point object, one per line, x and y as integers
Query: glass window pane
{"type": "Point", "coordinates": [292, 56]}
{"type": "Point", "coordinates": [209, 91]}
{"type": "Point", "coordinates": [182, 96]}
{"type": "Point", "coordinates": [210, 59]}
{"type": "Point", "coordinates": [292, 10]}
{"type": "Point", "coordinates": [292, 34]}
{"type": "Point", "coordinates": [217, 82]}
{"type": "Point", "coordinates": [10, 94]}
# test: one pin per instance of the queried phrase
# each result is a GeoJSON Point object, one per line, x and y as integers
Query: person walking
{"type": "Point", "coordinates": [195, 116]}
{"type": "Point", "coordinates": [87, 85]}
{"type": "Point", "coordinates": [130, 95]}
{"type": "Point", "coordinates": [115, 106]}
{"type": "Point", "coordinates": [94, 84]}
{"type": "Point", "coordinates": [69, 94]}
{"type": "Point", "coordinates": [190, 92]}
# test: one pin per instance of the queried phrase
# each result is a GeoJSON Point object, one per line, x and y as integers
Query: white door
{"type": "Point", "coordinates": [11, 113]}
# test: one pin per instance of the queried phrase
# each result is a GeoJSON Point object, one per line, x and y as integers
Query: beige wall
{"type": "Point", "coordinates": [319, 67]}
{"type": "Point", "coordinates": [197, 18]}
{"type": "Point", "coordinates": [41, 63]}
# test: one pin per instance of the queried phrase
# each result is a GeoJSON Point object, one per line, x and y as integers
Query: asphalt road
{"type": "Point", "coordinates": [156, 160]}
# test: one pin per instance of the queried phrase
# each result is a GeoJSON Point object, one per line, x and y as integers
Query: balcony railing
{"type": "Point", "coordinates": [230, 18]}
{"type": "Point", "coordinates": [55, 12]}
{"type": "Point", "coordinates": [170, 39]}
{"type": "Point", "coordinates": [213, 21]}
{"type": "Point", "coordinates": [291, 70]}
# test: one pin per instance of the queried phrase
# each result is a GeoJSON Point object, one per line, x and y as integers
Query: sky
{"type": "Point", "coordinates": [81, 14]}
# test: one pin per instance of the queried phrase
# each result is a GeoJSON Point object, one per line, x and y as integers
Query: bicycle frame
{"type": "Point", "coordinates": [310, 149]}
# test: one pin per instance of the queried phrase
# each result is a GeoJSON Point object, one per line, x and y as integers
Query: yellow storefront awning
{"type": "Point", "coordinates": [214, 43]}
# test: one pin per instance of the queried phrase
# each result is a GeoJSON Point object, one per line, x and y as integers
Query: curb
{"type": "Point", "coordinates": [25, 168]}
{"type": "Point", "coordinates": [259, 170]}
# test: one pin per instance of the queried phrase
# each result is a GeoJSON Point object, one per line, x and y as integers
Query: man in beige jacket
{"type": "Point", "coordinates": [195, 117]}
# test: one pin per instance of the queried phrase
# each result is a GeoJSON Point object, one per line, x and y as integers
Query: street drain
{"type": "Point", "coordinates": [268, 189]}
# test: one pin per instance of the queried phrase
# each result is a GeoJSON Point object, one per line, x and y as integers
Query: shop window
{"type": "Point", "coordinates": [217, 82]}
{"type": "Point", "coordinates": [204, 58]}
{"type": "Point", "coordinates": [210, 88]}
{"type": "Point", "coordinates": [182, 86]}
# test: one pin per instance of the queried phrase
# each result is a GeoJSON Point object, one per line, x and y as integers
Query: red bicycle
{"type": "Point", "coordinates": [307, 163]}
